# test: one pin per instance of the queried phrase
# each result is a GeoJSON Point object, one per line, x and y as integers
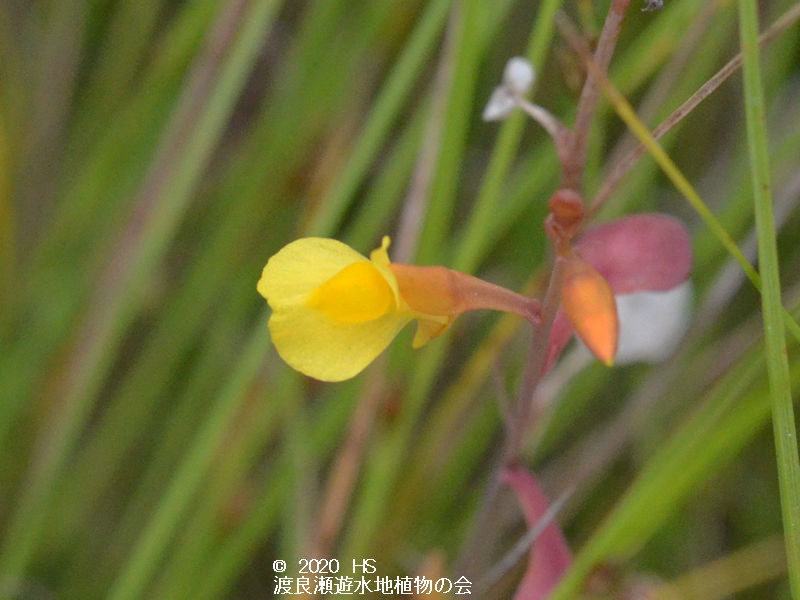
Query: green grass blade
{"type": "Point", "coordinates": [774, 336]}
{"type": "Point", "coordinates": [444, 187]}
{"type": "Point", "coordinates": [174, 195]}
{"type": "Point", "coordinates": [725, 423]}
{"type": "Point", "coordinates": [150, 547]}
{"type": "Point", "coordinates": [383, 113]}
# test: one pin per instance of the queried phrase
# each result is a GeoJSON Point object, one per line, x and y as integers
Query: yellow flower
{"type": "Point", "coordinates": [335, 311]}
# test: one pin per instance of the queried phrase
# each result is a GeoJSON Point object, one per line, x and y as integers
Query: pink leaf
{"type": "Point", "coordinates": [549, 556]}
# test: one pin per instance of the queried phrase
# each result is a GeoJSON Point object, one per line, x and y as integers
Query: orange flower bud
{"type": "Point", "coordinates": [589, 304]}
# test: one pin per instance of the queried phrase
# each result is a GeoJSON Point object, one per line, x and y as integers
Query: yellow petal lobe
{"type": "Point", "coordinates": [589, 304]}
{"type": "Point", "coordinates": [333, 312]}
{"type": "Point", "coordinates": [329, 350]}
{"type": "Point", "coordinates": [356, 294]}
{"type": "Point", "coordinates": [429, 328]}
{"type": "Point", "coordinates": [301, 266]}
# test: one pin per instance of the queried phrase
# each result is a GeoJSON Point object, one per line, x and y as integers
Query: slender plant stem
{"type": "Point", "coordinates": [774, 334]}
{"type": "Point", "coordinates": [576, 160]}
{"type": "Point", "coordinates": [534, 367]}
{"type": "Point", "coordinates": [543, 117]}
{"type": "Point", "coordinates": [341, 483]}
{"type": "Point", "coordinates": [619, 170]}
{"type": "Point", "coordinates": [519, 422]}
{"type": "Point", "coordinates": [507, 562]}
{"type": "Point", "coordinates": [418, 196]}
{"type": "Point", "coordinates": [162, 199]}
{"type": "Point", "coordinates": [571, 148]}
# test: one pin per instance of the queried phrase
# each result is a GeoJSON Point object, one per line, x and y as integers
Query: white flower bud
{"type": "Point", "coordinates": [518, 76]}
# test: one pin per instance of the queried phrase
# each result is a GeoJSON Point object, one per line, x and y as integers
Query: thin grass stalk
{"type": "Point", "coordinates": [386, 193]}
{"type": "Point", "coordinates": [10, 126]}
{"type": "Point", "coordinates": [105, 178]}
{"type": "Point", "coordinates": [8, 228]}
{"type": "Point", "coordinates": [236, 549]}
{"type": "Point", "coordinates": [124, 47]}
{"type": "Point", "coordinates": [656, 43]}
{"type": "Point", "coordinates": [56, 76]}
{"type": "Point", "coordinates": [252, 431]}
{"type": "Point", "coordinates": [743, 569]}
{"type": "Point", "coordinates": [671, 85]}
{"type": "Point", "coordinates": [418, 198]}
{"type": "Point", "coordinates": [385, 110]}
{"type": "Point", "coordinates": [14, 93]}
{"type": "Point", "coordinates": [302, 489]}
{"type": "Point", "coordinates": [135, 403]}
{"type": "Point", "coordinates": [783, 422]}
{"type": "Point", "coordinates": [168, 445]}
{"type": "Point", "coordinates": [234, 552]}
{"type": "Point", "coordinates": [340, 486]}
{"type": "Point", "coordinates": [468, 16]}
{"type": "Point", "coordinates": [148, 550]}
{"type": "Point", "coordinates": [52, 296]}
{"type": "Point", "coordinates": [621, 168]}
{"type": "Point", "coordinates": [128, 268]}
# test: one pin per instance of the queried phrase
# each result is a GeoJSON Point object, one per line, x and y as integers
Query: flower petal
{"type": "Point", "coordinates": [500, 105]}
{"type": "Point", "coordinates": [429, 327]}
{"type": "Point", "coordinates": [301, 266]}
{"type": "Point", "coordinates": [356, 294]}
{"type": "Point", "coordinates": [319, 328]}
{"type": "Point", "coordinates": [320, 347]}
{"type": "Point", "coordinates": [639, 252]}
{"type": "Point", "coordinates": [652, 323]}
{"type": "Point", "coordinates": [380, 258]}
{"type": "Point", "coordinates": [589, 304]}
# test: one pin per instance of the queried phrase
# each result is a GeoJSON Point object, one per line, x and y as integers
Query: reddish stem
{"type": "Point", "coordinates": [574, 165]}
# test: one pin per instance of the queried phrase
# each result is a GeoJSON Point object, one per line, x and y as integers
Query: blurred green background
{"type": "Point", "coordinates": [155, 153]}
